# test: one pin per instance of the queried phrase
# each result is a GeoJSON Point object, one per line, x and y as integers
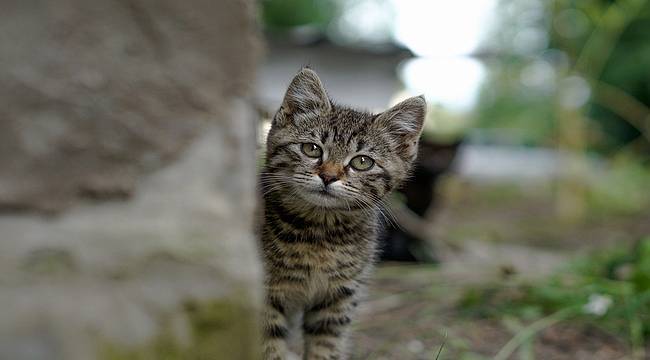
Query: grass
{"type": "Point", "coordinates": [442, 347]}
{"type": "Point", "coordinates": [609, 290]}
{"type": "Point", "coordinates": [622, 189]}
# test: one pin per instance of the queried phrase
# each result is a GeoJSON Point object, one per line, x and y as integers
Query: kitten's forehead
{"type": "Point", "coordinates": [345, 131]}
{"type": "Point", "coordinates": [343, 126]}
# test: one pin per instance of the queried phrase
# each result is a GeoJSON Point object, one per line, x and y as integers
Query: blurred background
{"type": "Point", "coordinates": [525, 232]}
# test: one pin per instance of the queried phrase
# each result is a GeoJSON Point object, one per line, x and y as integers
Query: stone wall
{"type": "Point", "coordinates": [127, 180]}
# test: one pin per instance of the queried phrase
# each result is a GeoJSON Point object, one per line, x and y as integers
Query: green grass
{"type": "Point", "coordinates": [623, 189]}
{"type": "Point", "coordinates": [610, 290]}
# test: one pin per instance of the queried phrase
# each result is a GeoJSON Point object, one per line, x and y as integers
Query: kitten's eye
{"type": "Point", "coordinates": [311, 150]}
{"type": "Point", "coordinates": [362, 163]}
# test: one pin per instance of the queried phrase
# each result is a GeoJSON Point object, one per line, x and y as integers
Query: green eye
{"type": "Point", "coordinates": [362, 163]}
{"type": "Point", "coordinates": [311, 150]}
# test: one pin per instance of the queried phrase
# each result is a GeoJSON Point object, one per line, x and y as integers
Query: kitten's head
{"type": "Point", "coordinates": [332, 156]}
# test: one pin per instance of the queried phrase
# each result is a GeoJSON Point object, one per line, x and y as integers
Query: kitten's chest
{"type": "Point", "coordinates": [318, 284]}
{"type": "Point", "coordinates": [329, 268]}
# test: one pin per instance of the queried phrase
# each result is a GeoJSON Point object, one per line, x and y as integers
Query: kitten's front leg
{"type": "Point", "coordinates": [325, 325]}
{"type": "Point", "coordinates": [275, 329]}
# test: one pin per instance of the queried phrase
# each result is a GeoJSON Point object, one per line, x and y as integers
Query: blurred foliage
{"type": "Point", "coordinates": [622, 189]}
{"type": "Point", "coordinates": [610, 290]}
{"type": "Point", "coordinates": [287, 14]}
{"type": "Point", "coordinates": [537, 44]}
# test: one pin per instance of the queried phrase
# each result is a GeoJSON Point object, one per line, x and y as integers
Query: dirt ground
{"type": "Point", "coordinates": [412, 310]}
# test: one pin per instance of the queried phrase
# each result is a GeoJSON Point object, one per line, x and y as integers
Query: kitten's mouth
{"type": "Point", "coordinates": [326, 193]}
{"type": "Point", "coordinates": [324, 198]}
{"type": "Point", "coordinates": [318, 196]}
{"type": "Point", "coordinates": [321, 197]}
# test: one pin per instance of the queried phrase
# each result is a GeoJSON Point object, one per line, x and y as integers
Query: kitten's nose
{"type": "Point", "coordinates": [328, 178]}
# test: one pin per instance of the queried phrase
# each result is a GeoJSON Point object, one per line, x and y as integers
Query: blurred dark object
{"type": "Point", "coordinates": [434, 160]}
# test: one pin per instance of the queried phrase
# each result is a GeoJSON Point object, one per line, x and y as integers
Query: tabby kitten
{"type": "Point", "coordinates": [328, 167]}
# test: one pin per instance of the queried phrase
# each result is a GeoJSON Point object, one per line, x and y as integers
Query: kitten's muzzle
{"type": "Point", "coordinates": [330, 172]}
{"type": "Point", "coordinates": [328, 178]}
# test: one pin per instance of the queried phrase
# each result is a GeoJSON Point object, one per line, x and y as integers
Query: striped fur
{"type": "Point", "coordinates": [320, 241]}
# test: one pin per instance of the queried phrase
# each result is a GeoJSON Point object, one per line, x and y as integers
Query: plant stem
{"type": "Point", "coordinates": [532, 329]}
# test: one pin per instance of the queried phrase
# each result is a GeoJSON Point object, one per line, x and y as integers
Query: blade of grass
{"type": "Point", "coordinates": [636, 335]}
{"type": "Point", "coordinates": [531, 330]}
{"type": "Point", "coordinates": [442, 346]}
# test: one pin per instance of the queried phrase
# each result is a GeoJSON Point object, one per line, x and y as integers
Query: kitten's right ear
{"type": "Point", "coordinates": [305, 94]}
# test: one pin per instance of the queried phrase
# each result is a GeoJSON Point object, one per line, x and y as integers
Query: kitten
{"type": "Point", "coordinates": [327, 169]}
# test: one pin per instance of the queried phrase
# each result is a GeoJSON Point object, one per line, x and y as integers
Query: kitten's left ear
{"type": "Point", "coordinates": [306, 94]}
{"type": "Point", "coordinates": [405, 122]}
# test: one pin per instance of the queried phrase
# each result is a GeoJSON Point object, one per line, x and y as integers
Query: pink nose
{"type": "Point", "coordinates": [327, 178]}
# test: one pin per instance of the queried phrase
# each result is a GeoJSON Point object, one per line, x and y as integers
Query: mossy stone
{"type": "Point", "coordinates": [221, 330]}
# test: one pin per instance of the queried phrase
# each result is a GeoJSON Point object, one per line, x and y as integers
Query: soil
{"type": "Point", "coordinates": [485, 235]}
{"type": "Point", "coordinates": [412, 313]}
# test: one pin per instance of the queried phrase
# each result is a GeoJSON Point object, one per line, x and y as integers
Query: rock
{"type": "Point", "coordinates": [112, 90]}
{"type": "Point", "coordinates": [127, 180]}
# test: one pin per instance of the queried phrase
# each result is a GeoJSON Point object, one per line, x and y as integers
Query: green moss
{"type": "Point", "coordinates": [49, 262]}
{"type": "Point", "coordinates": [221, 330]}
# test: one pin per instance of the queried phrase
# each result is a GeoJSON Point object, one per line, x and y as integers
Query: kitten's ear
{"type": "Point", "coordinates": [405, 121]}
{"type": "Point", "coordinates": [305, 94]}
